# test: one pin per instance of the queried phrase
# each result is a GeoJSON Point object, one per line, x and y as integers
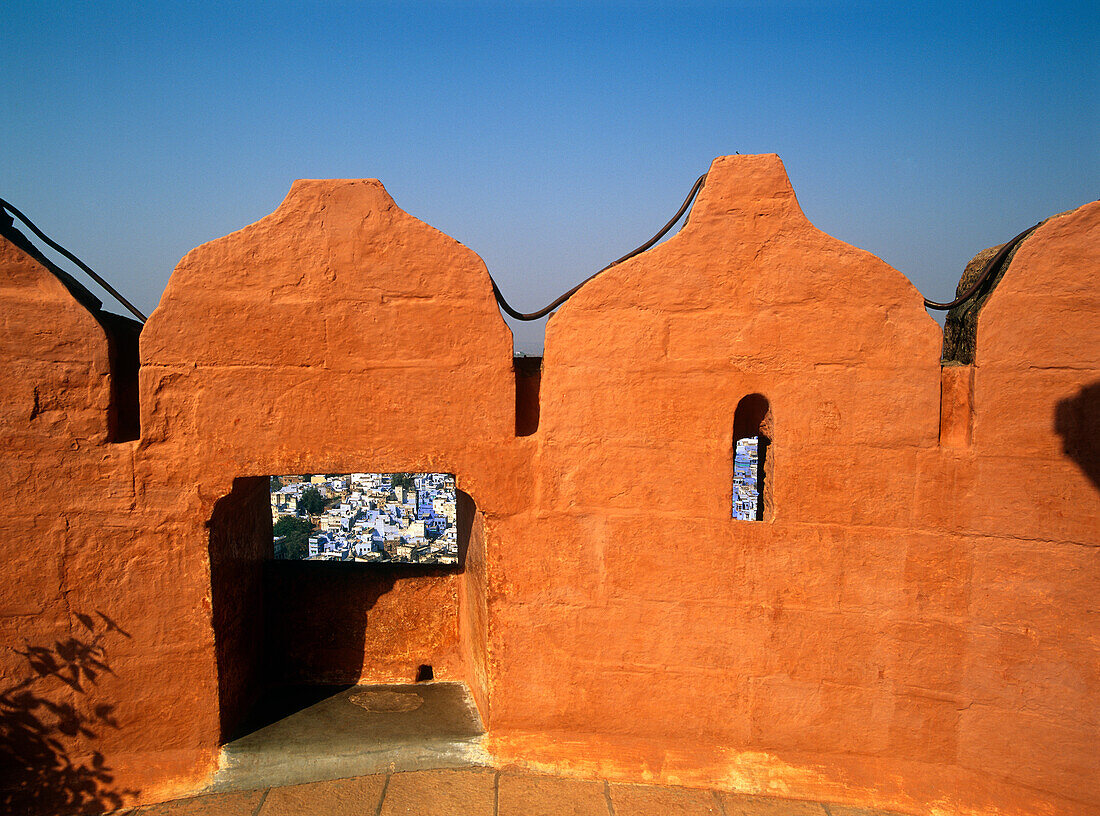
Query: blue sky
{"type": "Point", "coordinates": [548, 137]}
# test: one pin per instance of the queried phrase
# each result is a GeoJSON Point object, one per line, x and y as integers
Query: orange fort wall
{"type": "Point", "coordinates": [913, 625]}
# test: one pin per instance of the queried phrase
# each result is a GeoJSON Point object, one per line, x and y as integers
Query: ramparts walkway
{"type": "Point", "coordinates": [485, 792]}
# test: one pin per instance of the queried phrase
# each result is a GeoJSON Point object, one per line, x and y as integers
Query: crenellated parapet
{"type": "Point", "coordinates": [909, 625]}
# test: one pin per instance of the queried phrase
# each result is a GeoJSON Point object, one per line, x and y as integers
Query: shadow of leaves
{"type": "Point", "coordinates": [47, 714]}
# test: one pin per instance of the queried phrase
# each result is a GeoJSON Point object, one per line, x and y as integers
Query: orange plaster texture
{"type": "Point", "coordinates": [913, 627]}
{"type": "Point", "coordinates": [339, 335]}
{"type": "Point", "coordinates": [90, 610]}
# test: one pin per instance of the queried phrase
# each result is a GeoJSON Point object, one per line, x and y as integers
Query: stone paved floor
{"type": "Point", "coordinates": [356, 731]}
{"type": "Point", "coordinates": [485, 792]}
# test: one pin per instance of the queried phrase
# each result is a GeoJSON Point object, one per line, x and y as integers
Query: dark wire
{"type": "Point", "coordinates": [994, 263]}
{"type": "Point", "coordinates": [54, 245]}
{"type": "Point", "coordinates": [545, 310]}
{"type": "Point", "coordinates": [987, 270]}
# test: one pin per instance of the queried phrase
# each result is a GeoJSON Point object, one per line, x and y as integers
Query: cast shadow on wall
{"type": "Point", "coordinates": [1077, 421]}
{"type": "Point", "coordinates": [52, 705]}
{"type": "Point", "coordinates": [318, 615]}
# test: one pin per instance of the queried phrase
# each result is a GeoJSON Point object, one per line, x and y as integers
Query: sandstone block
{"type": "Point", "coordinates": [440, 793]}
{"type": "Point", "coordinates": [550, 796]}
{"type": "Point", "coordinates": [339, 797]}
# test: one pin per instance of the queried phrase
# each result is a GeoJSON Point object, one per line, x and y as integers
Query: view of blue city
{"type": "Point", "coordinates": [365, 517]}
{"type": "Point", "coordinates": [746, 492]}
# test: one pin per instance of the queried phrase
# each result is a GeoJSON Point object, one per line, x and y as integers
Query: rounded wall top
{"type": "Point", "coordinates": [744, 187]}
{"type": "Point", "coordinates": [766, 286]}
{"type": "Point", "coordinates": [1043, 311]}
{"type": "Point", "coordinates": [332, 247]}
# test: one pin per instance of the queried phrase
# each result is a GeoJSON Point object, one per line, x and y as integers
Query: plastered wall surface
{"type": "Point", "coordinates": [913, 624]}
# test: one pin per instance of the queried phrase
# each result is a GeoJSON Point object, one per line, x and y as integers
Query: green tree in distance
{"type": "Point", "coordinates": [296, 532]}
{"type": "Point", "coordinates": [311, 502]}
{"type": "Point", "coordinates": [402, 480]}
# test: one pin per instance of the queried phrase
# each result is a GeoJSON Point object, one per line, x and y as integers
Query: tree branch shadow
{"type": "Point", "coordinates": [44, 713]}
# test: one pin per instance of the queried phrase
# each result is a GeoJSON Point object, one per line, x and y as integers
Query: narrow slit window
{"type": "Point", "coordinates": [751, 438]}
{"type": "Point", "coordinates": [746, 471]}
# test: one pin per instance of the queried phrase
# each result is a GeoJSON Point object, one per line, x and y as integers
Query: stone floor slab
{"type": "Point", "coordinates": [529, 795]}
{"type": "Point", "coordinates": [845, 810]}
{"type": "Point", "coordinates": [650, 800]}
{"type": "Point", "coordinates": [360, 796]}
{"type": "Point", "coordinates": [440, 793]}
{"type": "Point", "coordinates": [354, 731]}
{"type": "Point", "coordinates": [737, 804]}
{"type": "Point", "coordinates": [237, 803]}
{"type": "Point", "coordinates": [482, 791]}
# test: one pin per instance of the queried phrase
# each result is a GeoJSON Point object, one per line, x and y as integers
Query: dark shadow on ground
{"type": "Point", "coordinates": [1077, 421]}
{"type": "Point", "coordinates": [43, 713]}
{"type": "Point", "coordinates": [279, 702]}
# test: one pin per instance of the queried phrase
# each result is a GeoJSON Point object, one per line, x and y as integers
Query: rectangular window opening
{"type": "Point", "coordinates": [381, 518]}
{"type": "Point", "coordinates": [123, 415]}
{"type": "Point", "coordinates": [528, 375]}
